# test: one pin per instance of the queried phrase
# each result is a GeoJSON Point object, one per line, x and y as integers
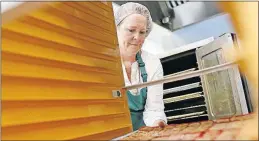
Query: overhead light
{"type": "Point", "coordinates": [166, 20]}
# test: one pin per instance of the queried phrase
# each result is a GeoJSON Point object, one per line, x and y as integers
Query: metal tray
{"type": "Point", "coordinates": [185, 115]}
{"type": "Point", "coordinates": [181, 72]}
{"type": "Point", "coordinates": [121, 137]}
{"type": "Point", "coordinates": [183, 97]}
{"type": "Point", "coordinates": [196, 106]}
{"type": "Point", "coordinates": [182, 88]}
{"type": "Point", "coordinates": [202, 115]}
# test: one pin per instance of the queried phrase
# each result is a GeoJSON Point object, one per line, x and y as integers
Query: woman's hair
{"type": "Point", "coordinates": [133, 8]}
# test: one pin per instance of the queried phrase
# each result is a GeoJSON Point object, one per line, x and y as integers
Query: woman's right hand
{"type": "Point", "coordinates": [159, 123]}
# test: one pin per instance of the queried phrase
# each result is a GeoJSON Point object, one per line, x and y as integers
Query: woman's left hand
{"type": "Point", "coordinates": [159, 123]}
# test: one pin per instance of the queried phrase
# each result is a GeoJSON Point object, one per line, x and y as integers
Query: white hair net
{"type": "Point", "coordinates": [133, 8]}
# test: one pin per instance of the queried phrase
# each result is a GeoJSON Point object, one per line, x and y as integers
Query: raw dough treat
{"type": "Point", "coordinates": [222, 129]}
{"type": "Point", "coordinates": [161, 138]}
{"type": "Point", "coordinates": [190, 136]}
{"type": "Point", "coordinates": [229, 134]}
{"type": "Point", "coordinates": [157, 129]}
{"type": "Point", "coordinates": [151, 134]}
{"type": "Point", "coordinates": [194, 124]}
{"type": "Point", "coordinates": [223, 120]}
{"type": "Point", "coordinates": [155, 132]}
{"type": "Point", "coordinates": [180, 127]}
{"type": "Point", "coordinates": [175, 129]}
{"type": "Point", "coordinates": [176, 137]}
{"type": "Point", "coordinates": [170, 126]}
{"type": "Point", "coordinates": [234, 124]}
{"type": "Point", "coordinates": [244, 117]}
{"type": "Point", "coordinates": [218, 126]}
{"type": "Point", "coordinates": [249, 116]}
{"type": "Point", "coordinates": [205, 126]}
{"type": "Point", "coordinates": [236, 118]}
{"type": "Point", "coordinates": [192, 128]}
{"type": "Point", "coordinates": [209, 135]}
{"type": "Point", "coordinates": [167, 132]}
{"type": "Point", "coordinates": [139, 136]}
{"type": "Point", "coordinates": [146, 128]}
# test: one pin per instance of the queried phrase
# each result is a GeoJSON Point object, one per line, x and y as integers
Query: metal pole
{"type": "Point", "coordinates": [183, 76]}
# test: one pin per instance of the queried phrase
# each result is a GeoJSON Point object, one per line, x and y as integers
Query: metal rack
{"type": "Point", "coordinates": [212, 92]}
{"type": "Point", "coordinates": [188, 86]}
{"type": "Point", "coordinates": [182, 88]}
{"type": "Point", "coordinates": [183, 97]}
{"type": "Point", "coordinates": [184, 116]}
{"type": "Point", "coordinates": [182, 76]}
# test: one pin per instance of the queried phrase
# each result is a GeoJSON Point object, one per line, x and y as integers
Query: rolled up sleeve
{"type": "Point", "coordinates": [154, 108]}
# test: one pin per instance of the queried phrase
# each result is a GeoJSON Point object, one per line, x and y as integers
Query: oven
{"type": "Point", "coordinates": [207, 97]}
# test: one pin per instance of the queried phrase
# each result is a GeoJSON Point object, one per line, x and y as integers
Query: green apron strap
{"type": "Point", "coordinates": [142, 68]}
{"type": "Point", "coordinates": [137, 102]}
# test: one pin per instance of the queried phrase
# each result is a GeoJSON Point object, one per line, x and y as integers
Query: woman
{"type": "Point", "coordinates": [146, 105]}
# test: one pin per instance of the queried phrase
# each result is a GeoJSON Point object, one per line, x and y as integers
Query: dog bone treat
{"type": "Point", "coordinates": [221, 129]}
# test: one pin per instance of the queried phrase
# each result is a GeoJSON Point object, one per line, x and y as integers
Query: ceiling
{"type": "Point", "coordinates": [175, 15]}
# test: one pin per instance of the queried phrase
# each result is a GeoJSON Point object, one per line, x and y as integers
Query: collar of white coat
{"type": "Point", "coordinates": [135, 73]}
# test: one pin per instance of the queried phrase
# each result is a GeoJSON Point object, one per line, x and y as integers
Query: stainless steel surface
{"type": "Point", "coordinates": [181, 15]}
{"type": "Point", "coordinates": [185, 48]}
{"type": "Point", "coordinates": [220, 88]}
{"type": "Point", "coordinates": [193, 12]}
{"type": "Point", "coordinates": [182, 88]}
{"type": "Point", "coordinates": [183, 76]}
{"type": "Point", "coordinates": [240, 95]}
{"type": "Point", "coordinates": [182, 97]}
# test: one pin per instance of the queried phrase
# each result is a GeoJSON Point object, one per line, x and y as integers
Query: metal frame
{"type": "Point", "coordinates": [234, 75]}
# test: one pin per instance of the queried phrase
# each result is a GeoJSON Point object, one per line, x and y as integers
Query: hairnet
{"type": "Point", "coordinates": [133, 8]}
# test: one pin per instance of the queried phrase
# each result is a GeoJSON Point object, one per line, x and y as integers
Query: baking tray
{"type": "Point", "coordinates": [181, 72]}
{"type": "Point", "coordinates": [185, 115]}
{"type": "Point", "coordinates": [182, 88]}
{"type": "Point", "coordinates": [183, 97]}
{"type": "Point", "coordinates": [185, 108]}
{"type": "Point", "coordinates": [121, 137]}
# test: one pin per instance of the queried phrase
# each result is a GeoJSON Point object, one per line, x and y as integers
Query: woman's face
{"type": "Point", "coordinates": [132, 33]}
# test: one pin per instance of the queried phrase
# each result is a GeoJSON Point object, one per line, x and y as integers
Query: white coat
{"type": "Point", "coordinates": [154, 108]}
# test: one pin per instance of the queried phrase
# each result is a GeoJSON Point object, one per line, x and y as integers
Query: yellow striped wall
{"type": "Point", "coordinates": [59, 67]}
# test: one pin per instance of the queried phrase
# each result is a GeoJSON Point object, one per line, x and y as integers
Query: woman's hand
{"type": "Point", "coordinates": [159, 123]}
